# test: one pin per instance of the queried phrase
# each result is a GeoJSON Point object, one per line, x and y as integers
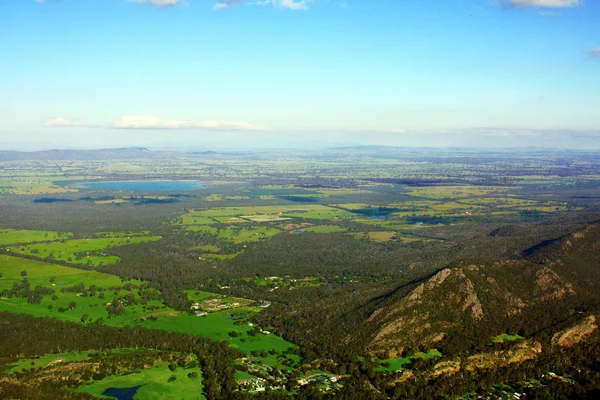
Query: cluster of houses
{"type": "Point", "coordinates": [253, 384]}
{"type": "Point", "coordinates": [212, 306]}
{"type": "Point", "coordinates": [320, 378]}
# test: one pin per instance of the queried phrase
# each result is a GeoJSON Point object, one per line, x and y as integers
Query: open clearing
{"type": "Point", "coordinates": [83, 251]}
{"type": "Point", "coordinates": [156, 383]}
{"type": "Point", "coordinates": [12, 236]}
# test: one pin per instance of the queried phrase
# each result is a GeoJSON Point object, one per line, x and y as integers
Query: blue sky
{"type": "Point", "coordinates": [279, 73]}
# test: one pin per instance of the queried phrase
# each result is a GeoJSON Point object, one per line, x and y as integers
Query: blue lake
{"type": "Point", "coordinates": [147, 186]}
{"type": "Point", "coordinates": [121, 393]}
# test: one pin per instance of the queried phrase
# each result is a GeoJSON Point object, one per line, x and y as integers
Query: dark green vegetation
{"type": "Point", "coordinates": [357, 273]}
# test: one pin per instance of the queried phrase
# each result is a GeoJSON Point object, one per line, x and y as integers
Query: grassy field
{"type": "Point", "coordinates": [376, 236]}
{"type": "Point", "coordinates": [133, 311]}
{"type": "Point", "coordinates": [397, 364]}
{"type": "Point", "coordinates": [83, 251]}
{"type": "Point", "coordinates": [47, 360]}
{"type": "Point", "coordinates": [455, 192]}
{"type": "Point", "coordinates": [12, 236]}
{"type": "Point", "coordinates": [154, 384]}
{"type": "Point", "coordinates": [241, 235]}
{"type": "Point", "coordinates": [326, 229]}
{"type": "Point", "coordinates": [35, 184]}
{"type": "Point", "coordinates": [506, 338]}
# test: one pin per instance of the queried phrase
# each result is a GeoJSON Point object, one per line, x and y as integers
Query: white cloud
{"type": "Point", "coordinates": [225, 4]}
{"type": "Point", "coordinates": [61, 122]}
{"type": "Point", "coordinates": [291, 4]}
{"type": "Point", "coordinates": [161, 3]}
{"type": "Point", "coordinates": [144, 122]}
{"type": "Point", "coordinates": [545, 3]}
{"type": "Point", "coordinates": [595, 52]}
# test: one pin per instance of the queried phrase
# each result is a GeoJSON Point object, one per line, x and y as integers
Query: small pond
{"type": "Point", "coordinates": [121, 393]}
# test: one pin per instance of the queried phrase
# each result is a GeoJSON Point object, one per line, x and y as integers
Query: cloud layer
{"type": "Point", "coordinates": [144, 122]}
{"type": "Point", "coordinates": [595, 52]}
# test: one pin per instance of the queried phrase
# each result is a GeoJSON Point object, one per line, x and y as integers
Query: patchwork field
{"type": "Point", "coordinates": [70, 294]}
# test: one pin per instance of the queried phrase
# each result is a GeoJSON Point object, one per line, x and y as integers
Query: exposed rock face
{"type": "Point", "coordinates": [464, 294]}
{"type": "Point", "coordinates": [576, 333]}
{"type": "Point", "coordinates": [519, 353]}
{"type": "Point", "coordinates": [445, 368]}
{"type": "Point", "coordinates": [549, 287]}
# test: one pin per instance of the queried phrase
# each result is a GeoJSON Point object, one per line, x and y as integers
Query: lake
{"type": "Point", "coordinates": [147, 186]}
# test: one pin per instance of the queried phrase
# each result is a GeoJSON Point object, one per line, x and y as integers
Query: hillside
{"type": "Point", "coordinates": [471, 301]}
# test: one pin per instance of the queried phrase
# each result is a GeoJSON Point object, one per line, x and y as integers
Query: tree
{"type": "Point", "coordinates": [72, 305]}
{"type": "Point", "coordinates": [84, 318]}
{"type": "Point", "coordinates": [23, 273]}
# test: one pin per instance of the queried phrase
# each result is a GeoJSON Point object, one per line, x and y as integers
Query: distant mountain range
{"type": "Point", "coordinates": [101, 154]}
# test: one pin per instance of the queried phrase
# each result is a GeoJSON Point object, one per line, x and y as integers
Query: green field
{"type": "Point", "coordinates": [83, 251]}
{"type": "Point", "coordinates": [154, 384]}
{"type": "Point", "coordinates": [127, 298]}
{"type": "Point", "coordinates": [12, 236]}
{"type": "Point", "coordinates": [397, 364]}
{"type": "Point", "coordinates": [376, 236]}
{"type": "Point", "coordinates": [506, 338]}
{"type": "Point", "coordinates": [241, 235]}
{"type": "Point", "coordinates": [325, 229]}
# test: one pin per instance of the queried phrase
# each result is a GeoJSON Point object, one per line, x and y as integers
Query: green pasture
{"type": "Point", "coordinates": [40, 273]}
{"type": "Point", "coordinates": [222, 256]}
{"type": "Point", "coordinates": [208, 248]}
{"type": "Point", "coordinates": [199, 295]}
{"type": "Point", "coordinates": [12, 236]}
{"type": "Point", "coordinates": [326, 229]}
{"type": "Point", "coordinates": [240, 235]}
{"type": "Point", "coordinates": [505, 337]}
{"type": "Point", "coordinates": [381, 237]}
{"type": "Point", "coordinates": [121, 234]}
{"type": "Point", "coordinates": [455, 192]}
{"type": "Point", "coordinates": [49, 360]}
{"type": "Point", "coordinates": [154, 384]}
{"type": "Point", "coordinates": [156, 315]}
{"type": "Point", "coordinates": [396, 364]}
{"type": "Point", "coordinates": [83, 251]}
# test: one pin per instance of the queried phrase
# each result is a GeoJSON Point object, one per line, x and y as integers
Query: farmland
{"type": "Point", "coordinates": [81, 296]}
{"type": "Point", "coordinates": [13, 236]}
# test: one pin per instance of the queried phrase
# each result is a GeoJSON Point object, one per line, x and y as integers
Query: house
{"type": "Point", "coordinates": [195, 306]}
{"type": "Point", "coordinates": [200, 313]}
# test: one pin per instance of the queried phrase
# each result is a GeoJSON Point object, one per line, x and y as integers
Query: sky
{"type": "Point", "coordinates": [204, 74]}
